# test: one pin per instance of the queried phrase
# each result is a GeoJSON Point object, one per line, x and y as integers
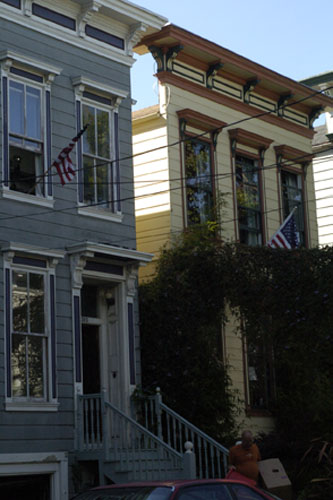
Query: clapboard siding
{"type": "Point", "coordinates": [62, 226]}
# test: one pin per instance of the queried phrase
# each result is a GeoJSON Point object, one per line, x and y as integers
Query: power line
{"type": "Point", "coordinates": [218, 129]}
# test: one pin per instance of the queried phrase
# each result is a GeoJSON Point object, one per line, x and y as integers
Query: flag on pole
{"type": "Point", "coordinates": [286, 236]}
{"type": "Point", "coordinates": [64, 163]}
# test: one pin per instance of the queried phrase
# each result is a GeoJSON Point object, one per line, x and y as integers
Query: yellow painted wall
{"type": "Point", "coordinates": [160, 216]}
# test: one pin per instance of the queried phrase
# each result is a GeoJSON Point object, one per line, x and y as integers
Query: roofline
{"type": "Point", "coordinates": [227, 55]}
{"type": "Point", "coordinates": [318, 79]}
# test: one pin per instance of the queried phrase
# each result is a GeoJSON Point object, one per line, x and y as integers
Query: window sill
{"type": "Point", "coordinates": [100, 214]}
{"type": "Point", "coordinates": [28, 198]}
{"type": "Point", "coordinates": [250, 412]}
{"type": "Point", "coordinates": [31, 406]}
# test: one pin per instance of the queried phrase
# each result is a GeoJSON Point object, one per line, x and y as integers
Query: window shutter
{"type": "Point", "coordinates": [131, 343]}
{"type": "Point", "coordinates": [8, 337]}
{"type": "Point", "coordinates": [5, 130]}
{"type": "Point", "coordinates": [117, 169]}
{"type": "Point", "coordinates": [79, 152]}
{"type": "Point", "coordinates": [53, 338]}
{"type": "Point", "coordinates": [77, 336]}
{"type": "Point", "coordinates": [48, 142]}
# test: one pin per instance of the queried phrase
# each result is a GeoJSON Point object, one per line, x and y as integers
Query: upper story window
{"type": "Point", "coordinates": [97, 154]}
{"type": "Point", "coordinates": [98, 151]}
{"type": "Point", "coordinates": [199, 181]}
{"type": "Point", "coordinates": [292, 196]}
{"type": "Point", "coordinates": [26, 104]}
{"type": "Point", "coordinates": [26, 138]}
{"type": "Point", "coordinates": [248, 150]}
{"type": "Point", "coordinates": [198, 164]}
{"type": "Point", "coordinates": [248, 200]}
{"type": "Point", "coordinates": [291, 162]}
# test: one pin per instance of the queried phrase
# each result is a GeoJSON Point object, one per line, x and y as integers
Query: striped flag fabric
{"type": "Point", "coordinates": [286, 236]}
{"type": "Point", "coordinates": [63, 163]}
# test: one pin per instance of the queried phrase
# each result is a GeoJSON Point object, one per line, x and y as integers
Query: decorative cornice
{"type": "Point", "coordinates": [170, 78]}
{"type": "Point", "coordinates": [242, 136]}
{"type": "Point", "coordinates": [81, 83]}
{"type": "Point", "coordinates": [284, 152]}
{"type": "Point", "coordinates": [199, 120]}
{"type": "Point", "coordinates": [9, 58]}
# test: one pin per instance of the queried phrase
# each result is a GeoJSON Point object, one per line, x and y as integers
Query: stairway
{"type": "Point", "coordinates": [150, 450]}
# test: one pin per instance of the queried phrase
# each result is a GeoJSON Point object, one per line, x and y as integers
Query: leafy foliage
{"type": "Point", "coordinates": [285, 297]}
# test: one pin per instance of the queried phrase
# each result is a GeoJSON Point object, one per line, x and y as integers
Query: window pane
{"type": "Point", "coordinates": [36, 296]}
{"type": "Point", "coordinates": [102, 184]}
{"type": "Point", "coordinates": [20, 302]}
{"type": "Point", "coordinates": [33, 113]}
{"type": "Point", "coordinates": [89, 139]}
{"type": "Point", "coordinates": [16, 108]}
{"type": "Point", "coordinates": [103, 134]}
{"type": "Point", "coordinates": [199, 189]}
{"type": "Point", "coordinates": [35, 361]}
{"type": "Point", "coordinates": [89, 180]}
{"type": "Point", "coordinates": [24, 165]}
{"type": "Point", "coordinates": [19, 370]}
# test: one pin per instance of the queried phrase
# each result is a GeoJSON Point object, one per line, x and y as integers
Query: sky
{"type": "Point", "coordinates": [292, 37]}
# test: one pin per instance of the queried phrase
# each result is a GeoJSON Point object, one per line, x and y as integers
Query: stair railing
{"type": "Point", "coordinates": [104, 427]}
{"type": "Point", "coordinates": [173, 429]}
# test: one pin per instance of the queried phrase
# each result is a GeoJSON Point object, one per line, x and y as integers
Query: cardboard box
{"type": "Point", "coordinates": [275, 479]}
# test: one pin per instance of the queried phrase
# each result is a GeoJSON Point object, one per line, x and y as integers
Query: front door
{"type": "Point", "coordinates": [91, 359]}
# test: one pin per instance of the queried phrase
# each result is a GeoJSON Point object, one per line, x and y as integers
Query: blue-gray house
{"type": "Point", "coordinates": [68, 274]}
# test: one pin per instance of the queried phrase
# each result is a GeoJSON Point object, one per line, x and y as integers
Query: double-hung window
{"type": "Point", "coordinates": [292, 196]}
{"type": "Point", "coordinates": [97, 156]}
{"type": "Point", "coordinates": [30, 330]}
{"type": "Point", "coordinates": [26, 130]}
{"type": "Point", "coordinates": [248, 200]}
{"type": "Point", "coordinates": [29, 337]}
{"type": "Point", "coordinates": [199, 181]}
{"type": "Point", "coordinates": [98, 162]}
{"type": "Point", "coordinates": [26, 138]}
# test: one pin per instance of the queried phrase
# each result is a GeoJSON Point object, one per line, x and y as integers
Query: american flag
{"type": "Point", "coordinates": [286, 236]}
{"type": "Point", "coordinates": [63, 163]}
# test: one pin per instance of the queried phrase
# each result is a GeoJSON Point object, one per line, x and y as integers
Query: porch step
{"type": "Point", "coordinates": [141, 466]}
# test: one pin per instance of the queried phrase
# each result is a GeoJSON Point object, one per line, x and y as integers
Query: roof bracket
{"type": "Point", "coordinates": [282, 102]}
{"type": "Point", "coordinates": [248, 88]}
{"type": "Point", "coordinates": [158, 55]}
{"type": "Point", "coordinates": [211, 72]}
{"type": "Point", "coordinates": [314, 114]}
{"type": "Point", "coordinates": [171, 55]}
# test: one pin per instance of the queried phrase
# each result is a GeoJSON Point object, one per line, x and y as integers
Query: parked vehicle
{"type": "Point", "coordinates": [208, 489]}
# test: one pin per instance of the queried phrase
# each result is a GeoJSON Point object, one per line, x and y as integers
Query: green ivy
{"type": "Point", "coordinates": [283, 296]}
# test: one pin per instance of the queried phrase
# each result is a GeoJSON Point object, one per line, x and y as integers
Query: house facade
{"type": "Point", "coordinates": [225, 128]}
{"type": "Point", "coordinates": [323, 162]}
{"type": "Point", "coordinates": [68, 272]}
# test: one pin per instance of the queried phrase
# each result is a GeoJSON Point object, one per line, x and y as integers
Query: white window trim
{"type": "Point", "coordinates": [48, 72]}
{"type": "Point", "coordinates": [48, 404]}
{"type": "Point", "coordinates": [116, 96]}
{"type": "Point", "coordinates": [53, 463]}
{"type": "Point", "coordinates": [10, 58]}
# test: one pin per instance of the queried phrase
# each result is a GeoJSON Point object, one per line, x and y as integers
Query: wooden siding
{"type": "Point", "coordinates": [62, 227]}
{"type": "Point", "coordinates": [323, 177]}
{"type": "Point", "coordinates": [147, 134]}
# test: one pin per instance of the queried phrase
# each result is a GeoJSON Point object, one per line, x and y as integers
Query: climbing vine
{"type": "Point", "coordinates": [284, 296]}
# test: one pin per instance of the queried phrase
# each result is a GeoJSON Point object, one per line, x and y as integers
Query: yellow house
{"type": "Point", "coordinates": [224, 126]}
